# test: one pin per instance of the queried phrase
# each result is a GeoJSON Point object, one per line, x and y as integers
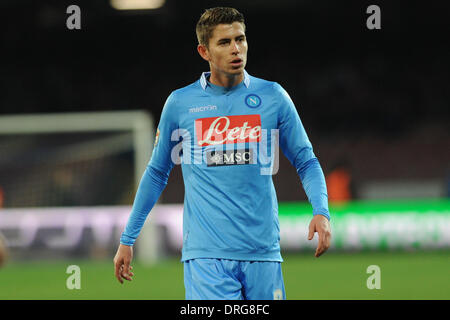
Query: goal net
{"type": "Point", "coordinates": [75, 159]}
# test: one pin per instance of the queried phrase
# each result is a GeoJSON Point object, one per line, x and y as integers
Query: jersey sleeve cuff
{"type": "Point", "coordinates": [126, 240]}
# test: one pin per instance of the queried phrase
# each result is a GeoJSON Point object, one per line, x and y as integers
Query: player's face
{"type": "Point", "coordinates": [227, 52]}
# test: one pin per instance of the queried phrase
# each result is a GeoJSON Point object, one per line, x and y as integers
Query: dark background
{"type": "Point", "coordinates": [379, 99]}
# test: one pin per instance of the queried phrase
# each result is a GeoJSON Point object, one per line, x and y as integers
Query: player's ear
{"type": "Point", "coordinates": [203, 51]}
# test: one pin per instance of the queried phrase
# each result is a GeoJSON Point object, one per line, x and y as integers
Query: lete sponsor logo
{"type": "Point", "coordinates": [228, 129]}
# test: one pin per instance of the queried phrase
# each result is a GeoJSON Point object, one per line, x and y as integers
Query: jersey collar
{"type": "Point", "coordinates": [204, 83]}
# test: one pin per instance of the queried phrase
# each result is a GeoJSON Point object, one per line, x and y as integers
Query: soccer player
{"type": "Point", "coordinates": [225, 124]}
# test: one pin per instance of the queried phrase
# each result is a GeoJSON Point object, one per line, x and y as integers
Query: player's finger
{"type": "Point", "coordinates": [131, 273]}
{"type": "Point", "coordinates": [311, 231]}
{"type": "Point", "coordinates": [324, 243]}
{"type": "Point", "coordinates": [319, 249]}
{"type": "Point", "coordinates": [326, 238]}
{"type": "Point", "coordinates": [320, 245]}
{"type": "Point", "coordinates": [126, 271]}
{"type": "Point", "coordinates": [117, 271]}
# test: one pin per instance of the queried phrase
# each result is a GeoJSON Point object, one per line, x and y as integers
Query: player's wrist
{"type": "Point", "coordinates": [326, 215]}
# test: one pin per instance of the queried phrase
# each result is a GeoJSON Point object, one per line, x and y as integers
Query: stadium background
{"type": "Point", "coordinates": [375, 102]}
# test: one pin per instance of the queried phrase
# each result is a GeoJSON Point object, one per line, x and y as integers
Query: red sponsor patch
{"type": "Point", "coordinates": [228, 129]}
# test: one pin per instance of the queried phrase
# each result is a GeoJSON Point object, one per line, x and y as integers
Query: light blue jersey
{"type": "Point", "coordinates": [227, 142]}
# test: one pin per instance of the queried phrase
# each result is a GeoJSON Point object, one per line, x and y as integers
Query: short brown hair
{"type": "Point", "coordinates": [213, 17]}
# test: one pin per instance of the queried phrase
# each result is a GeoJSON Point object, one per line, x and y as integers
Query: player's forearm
{"type": "Point", "coordinates": [152, 184]}
{"type": "Point", "coordinates": [314, 184]}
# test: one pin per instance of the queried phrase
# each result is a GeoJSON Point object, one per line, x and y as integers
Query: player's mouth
{"type": "Point", "coordinates": [237, 62]}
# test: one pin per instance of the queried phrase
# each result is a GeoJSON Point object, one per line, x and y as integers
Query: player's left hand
{"type": "Point", "coordinates": [321, 225]}
{"type": "Point", "coordinates": [122, 260]}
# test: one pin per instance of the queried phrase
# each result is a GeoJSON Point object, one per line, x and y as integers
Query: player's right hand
{"type": "Point", "coordinates": [122, 260]}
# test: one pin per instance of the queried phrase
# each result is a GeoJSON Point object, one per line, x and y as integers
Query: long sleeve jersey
{"type": "Point", "coordinates": [227, 142]}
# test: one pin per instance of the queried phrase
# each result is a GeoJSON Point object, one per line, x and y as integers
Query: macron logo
{"type": "Point", "coordinates": [200, 109]}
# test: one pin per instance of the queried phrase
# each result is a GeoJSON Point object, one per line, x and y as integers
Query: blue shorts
{"type": "Point", "coordinates": [221, 279]}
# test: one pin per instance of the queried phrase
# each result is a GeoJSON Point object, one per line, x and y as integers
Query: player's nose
{"type": "Point", "coordinates": [235, 48]}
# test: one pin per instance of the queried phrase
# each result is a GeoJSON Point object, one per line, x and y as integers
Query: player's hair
{"type": "Point", "coordinates": [213, 17]}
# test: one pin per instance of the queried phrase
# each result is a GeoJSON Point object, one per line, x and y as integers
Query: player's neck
{"type": "Point", "coordinates": [225, 80]}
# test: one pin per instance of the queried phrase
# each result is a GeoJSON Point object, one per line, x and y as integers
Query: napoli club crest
{"type": "Point", "coordinates": [252, 101]}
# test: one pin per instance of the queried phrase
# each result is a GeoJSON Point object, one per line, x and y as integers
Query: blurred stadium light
{"type": "Point", "coordinates": [136, 4]}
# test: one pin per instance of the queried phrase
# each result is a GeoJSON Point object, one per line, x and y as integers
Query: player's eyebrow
{"type": "Point", "coordinates": [229, 39]}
